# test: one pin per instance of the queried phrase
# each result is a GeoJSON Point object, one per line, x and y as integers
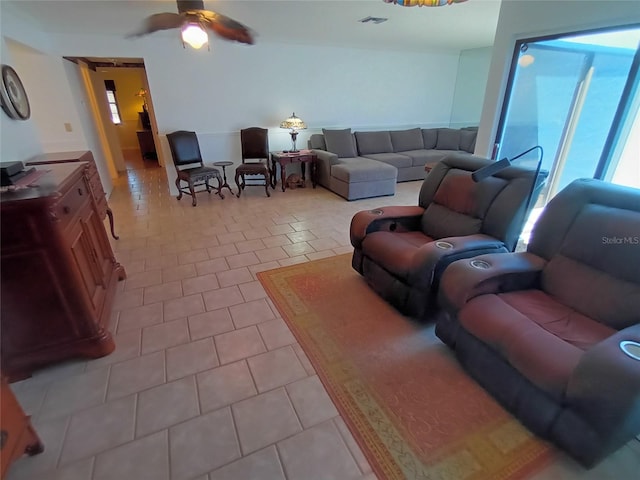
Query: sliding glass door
{"type": "Point", "coordinates": [576, 97]}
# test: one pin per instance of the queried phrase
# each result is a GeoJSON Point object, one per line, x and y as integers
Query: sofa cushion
{"type": "Point", "coordinates": [403, 140]}
{"type": "Point", "coordinates": [467, 140]}
{"type": "Point", "coordinates": [340, 142]}
{"type": "Point", "coordinates": [374, 142]}
{"type": "Point", "coordinates": [429, 137]}
{"type": "Point", "coordinates": [418, 157]}
{"type": "Point", "coordinates": [433, 156]}
{"type": "Point", "coordinates": [540, 337]}
{"type": "Point", "coordinates": [361, 169]}
{"type": "Point", "coordinates": [395, 159]}
{"type": "Point", "coordinates": [448, 139]}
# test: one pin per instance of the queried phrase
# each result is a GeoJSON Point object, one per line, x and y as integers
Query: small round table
{"type": "Point", "coordinates": [224, 164]}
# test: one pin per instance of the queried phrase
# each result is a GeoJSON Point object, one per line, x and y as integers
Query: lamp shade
{"type": "Point", "coordinates": [294, 123]}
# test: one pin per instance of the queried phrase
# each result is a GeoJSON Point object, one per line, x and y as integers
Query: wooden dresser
{"type": "Point", "coordinates": [58, 273]}
{"type": "Point", "coordinates": [93, 177]}
{"type": "Point", "coordinates": [147, 145]}
{"type": "Point", "coordinates": [17, 436]}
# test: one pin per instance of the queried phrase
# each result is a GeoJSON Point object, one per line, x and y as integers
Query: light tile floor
{"type": "Point", "coordinates": [207, 382]}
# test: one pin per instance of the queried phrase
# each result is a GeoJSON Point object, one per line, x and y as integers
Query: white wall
{"type": "Point", "coordinates": [55, 95]}
{"type": "Point", "coordinates": [233, 86]}
{"type": "Point", "coordinates": [52, 102]}
{"type": "Point", "coordinates": [218, 92]}
{"type": "Point", "coordinates": [471, 82]}
{"type": "Point", "coordinates": [18, 138]}
{"type": "Point", "coordinates": [527, 19]}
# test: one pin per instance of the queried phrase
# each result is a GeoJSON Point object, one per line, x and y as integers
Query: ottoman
{"type": "Point", "coordinates": [359, 177]}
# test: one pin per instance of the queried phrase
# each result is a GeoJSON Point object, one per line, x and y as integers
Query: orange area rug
{"type": "Point", "coordinates": [412, 409]}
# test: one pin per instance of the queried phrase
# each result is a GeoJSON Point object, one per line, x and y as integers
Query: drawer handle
{"type": "Point", "coordinates": [66, 209]}
{"type": "Point", "coordinates": [80, 192]}
{"type": "Point", "coordinates": [3, 438]}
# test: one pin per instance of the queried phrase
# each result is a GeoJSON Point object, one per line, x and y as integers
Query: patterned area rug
{"type": "Point", "coordinates": [412, 409]}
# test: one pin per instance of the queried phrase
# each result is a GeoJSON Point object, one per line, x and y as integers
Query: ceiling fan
{"type": "Point", "coordinates": [194, 21]}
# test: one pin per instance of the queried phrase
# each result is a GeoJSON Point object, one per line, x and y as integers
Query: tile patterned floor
{"type": "Point", "coordinates": [207, 382]}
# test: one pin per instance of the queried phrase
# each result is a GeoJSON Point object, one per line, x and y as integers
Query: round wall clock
{"type": "Point", "coordinates": [14, 98]}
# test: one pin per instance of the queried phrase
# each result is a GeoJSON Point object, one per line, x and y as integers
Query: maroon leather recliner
{"type": "Point", "coordinates": [403, 250]}
{"type": "Point", "coordinates": [551, 332]}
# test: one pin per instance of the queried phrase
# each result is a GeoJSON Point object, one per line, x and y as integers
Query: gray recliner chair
{"type": "Point", "coordinates": [553, 333]}
{"type": "Point", "coordinates": [403, 250]}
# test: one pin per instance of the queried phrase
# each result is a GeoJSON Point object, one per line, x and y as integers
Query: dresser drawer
{"type": "Point", "coordinates": [71, 202]}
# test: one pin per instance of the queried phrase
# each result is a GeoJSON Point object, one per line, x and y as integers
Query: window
{"type": "Point", "coordinates": [575, 95]}
{"type": "Point", "coordinates": [110, 85]}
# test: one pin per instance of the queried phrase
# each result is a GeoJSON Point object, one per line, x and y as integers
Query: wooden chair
{"type": "Point", "coordinates": [255, 146]}
{"type": "Point", "coordinates": [190, 168]}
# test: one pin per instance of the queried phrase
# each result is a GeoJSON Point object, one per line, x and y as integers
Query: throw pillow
{"type": "Point", "coordinates": [405, 140]}
{"type": "Point", "coordinates": [468, 140]}
{"type": "Point", "coordinates": [429, 137]}
{"type": "Point", "coordinates": [448, 139]}
{"type": "Point", "coordinates": [374, 142]}
{"type": "Point", "coordinates": [340, 142]}
{"type": "Point", "coordinates": [316, 141]}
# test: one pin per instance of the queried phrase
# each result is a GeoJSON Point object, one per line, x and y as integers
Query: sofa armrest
{"type": "Point", "coordinates": [327, 157]}
{"type": "Point", "coordinates": [432, 259]}
{"type": "Point", "coordinates": [498, 272]}
{"type": "Point", "coordinates": [604, 388]}
{"type": "Point", "coordinates": [388, 219]}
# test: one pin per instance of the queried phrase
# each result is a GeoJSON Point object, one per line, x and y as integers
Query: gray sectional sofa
{"type": "Point", "coordinates": [368, 164]}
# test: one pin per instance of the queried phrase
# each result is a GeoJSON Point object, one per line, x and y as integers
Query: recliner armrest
{"type": "Point", "coordinates": [605, 388]}
{"type": "Point", "coordinates": [502, 272]}
{"type": "Point", "coordinates": [387, 219]}
{"type": "Point", "coordinates": [433, 258]}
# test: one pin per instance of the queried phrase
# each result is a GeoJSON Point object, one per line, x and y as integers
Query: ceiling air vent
{"type": "Point", "coordinates": [375, 20]}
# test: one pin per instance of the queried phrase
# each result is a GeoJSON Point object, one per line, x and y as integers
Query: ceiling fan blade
{"type": "Point", "coordinates": [228, 28]}
{"type": "Point", "coordinates": [159, 21]}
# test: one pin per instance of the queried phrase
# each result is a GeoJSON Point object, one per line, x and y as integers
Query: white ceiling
{"type": "Point", "coordinates": [318, 22]}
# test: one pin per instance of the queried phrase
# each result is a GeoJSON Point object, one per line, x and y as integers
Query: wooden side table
{"type": "Point", "coordinates": [224, 164]}
{"type": "Point", "coordinates": [285, 158]}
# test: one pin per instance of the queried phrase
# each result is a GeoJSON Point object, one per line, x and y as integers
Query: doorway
{"type": "Point", "coordinates": [122, 84]}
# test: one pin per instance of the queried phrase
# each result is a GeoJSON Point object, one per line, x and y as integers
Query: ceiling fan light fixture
{"type": "Point", "coordinates": [194, 35]}
{"type": "Point", "coordinates": [526, 60]}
